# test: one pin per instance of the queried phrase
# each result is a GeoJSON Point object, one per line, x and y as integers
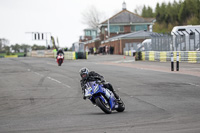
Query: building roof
{"type": "Point", "coordinates": [134, 35]}
{"type": "Point", "coordinates": [90, 29]}
{"type": "Point", "coordinates": [126, 16]}
{"type": "Point", "coordinates": [91, 41]}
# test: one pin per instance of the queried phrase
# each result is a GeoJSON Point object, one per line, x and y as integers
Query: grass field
{"type": "Point", "coordinates": [4, 54]}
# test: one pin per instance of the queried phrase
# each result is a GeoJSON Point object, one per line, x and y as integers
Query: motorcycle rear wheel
{"type": "Point", "coordinates": [103, 106]}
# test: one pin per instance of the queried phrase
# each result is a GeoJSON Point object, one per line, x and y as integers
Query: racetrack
{"type": "Point", "coordinates": [37, 96]}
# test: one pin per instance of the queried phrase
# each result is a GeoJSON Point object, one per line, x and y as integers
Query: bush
{"type": "Point", "coordinates": [8, 53]}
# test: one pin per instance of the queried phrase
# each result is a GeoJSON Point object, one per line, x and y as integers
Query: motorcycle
{"type": "Point", "coordinates": [102, 97]}
{"type": "Point", "coordinates": [60, 59]}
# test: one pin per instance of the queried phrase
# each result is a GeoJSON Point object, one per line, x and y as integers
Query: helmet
{"type": "Point", "coordinates": [60, 49]}
{"type": "Point", "coordinates": [84, 73]}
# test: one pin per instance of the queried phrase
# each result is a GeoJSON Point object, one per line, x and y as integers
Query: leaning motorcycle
{"type": "Point", "coordinates": [60, 59]}
{"type": "Point", "coordinates": [102, 97]}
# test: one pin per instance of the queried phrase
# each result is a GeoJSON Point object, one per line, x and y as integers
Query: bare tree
{"type": "Point", "coordinates": [3, 43]}
{"type": "Point", "coordinates": [138, 10]}
{"type": "Point", "coordinates": [92, 17]}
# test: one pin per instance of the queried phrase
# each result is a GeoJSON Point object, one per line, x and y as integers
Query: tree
{"type": "Point", "coordinates": [150, 12]}
{"type": "Point", "coordinates": [15, 47]}
{"type": "Point", "coordinates": [7, 50]}
{"type": "Point", "coordinates": [157, 13]}
{"type": "Point", "coordinates": [3, 43]}
{"type": "Point", "coordinates": [25, 47]}
{"type": "Point", "coordinates": [138, 10]}
{"type": "Point", "coordinates": [92, 17]}
{"type": "Point", "coordinates": [37, 47]}
{"type": "Point", "coordinates": [147, 12]}
{"type": "Point", "coordinates": [144, 11]}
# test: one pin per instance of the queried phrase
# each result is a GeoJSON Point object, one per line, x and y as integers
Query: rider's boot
{"type": "Point", "coordinates": [117, 97]}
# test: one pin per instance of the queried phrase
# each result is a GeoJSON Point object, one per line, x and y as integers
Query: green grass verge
{"type": "Point", "coordinates": [4, 54]}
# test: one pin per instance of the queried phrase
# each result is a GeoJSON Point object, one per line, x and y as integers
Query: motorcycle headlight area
{"type": "Point", "coordinates": [88, 92]}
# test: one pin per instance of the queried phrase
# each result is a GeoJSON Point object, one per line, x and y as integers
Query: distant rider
{"type": "Point", "coordinates": [93, 76]}
{"type": "Point", "coordinates": [60, 51]}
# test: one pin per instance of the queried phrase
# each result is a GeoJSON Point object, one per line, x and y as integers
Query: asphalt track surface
{"type": "Point", "coordinates": [37, 96]}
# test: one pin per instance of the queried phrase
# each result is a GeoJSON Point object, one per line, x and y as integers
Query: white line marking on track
{"type": "Point", "coordinates": [67, 85]}
{"type": "Point", "coordinates": [38, 74]}
{"type": "Point", "coordinates": [54, 80]}
{"type": "Point", "coordinates": [194, 84]}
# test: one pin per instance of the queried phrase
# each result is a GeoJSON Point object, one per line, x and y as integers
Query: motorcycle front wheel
{"type": "Point", "coordinates": [59, 62]}
{"type": "Point", "coordinates": [103, 106]}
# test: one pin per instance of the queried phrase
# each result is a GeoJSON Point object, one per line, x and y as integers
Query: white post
{"type": "Point", "coordinates": [108, 28]}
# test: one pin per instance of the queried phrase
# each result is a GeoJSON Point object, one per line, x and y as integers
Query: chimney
{"type": "Point", "coordinates": [124, 6]}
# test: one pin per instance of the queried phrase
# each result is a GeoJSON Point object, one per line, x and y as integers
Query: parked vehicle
{"type": "Point", "coordinates": [186, 38]}
{"type": "Point", "coordinates": [189, 29]}
{"type": "Point", "coordinates": [60, 59]}
{"type": "Point", "coordinates": [103, 97]}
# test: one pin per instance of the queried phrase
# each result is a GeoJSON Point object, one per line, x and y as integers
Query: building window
{"type": "Point", "coordinates": [87, 33]}
{"type": "Point", "coordinates": [94, 34]}
{"type": "Point", "coordinates": [116, 28]}
{"type": "Point", "coordinates": [132, 28]}
{"type": "Point", "coordinates": [121, 28]}
{"type": "Point", "coordinates": [140, 27]}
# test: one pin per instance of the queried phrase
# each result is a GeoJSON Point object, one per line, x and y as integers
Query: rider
{"type": "Point", "coordinates": [60, 51]}
{"type": "Point", "coordinates": [93, 76]}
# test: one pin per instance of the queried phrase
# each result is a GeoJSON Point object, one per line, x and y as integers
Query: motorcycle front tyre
{"type": "Point", "coordinates": [103, 106]}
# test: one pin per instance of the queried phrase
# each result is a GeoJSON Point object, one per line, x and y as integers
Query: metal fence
{"type": "Point", "coordinates": [179, 41]}
{"type": "Point", "coordinates": [161, 42]}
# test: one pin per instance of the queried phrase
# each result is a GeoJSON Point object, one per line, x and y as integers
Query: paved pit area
{"type": "Point", "coordinates": [37, 96]}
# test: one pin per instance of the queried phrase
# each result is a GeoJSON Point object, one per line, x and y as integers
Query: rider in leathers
{"type": "Point", "coordinates": [93, 76]}
{"type": "Point", "coordinates": [59, 51]}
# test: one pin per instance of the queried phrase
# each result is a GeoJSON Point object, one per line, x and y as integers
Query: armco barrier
{"type": "Point", "coordinates": [163, 56]}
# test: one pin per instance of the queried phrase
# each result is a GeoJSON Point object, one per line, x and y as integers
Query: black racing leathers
{"type": "Point", "coordinates": [60, 51]}
{"type": "Point", "coordinates": [93, 76]}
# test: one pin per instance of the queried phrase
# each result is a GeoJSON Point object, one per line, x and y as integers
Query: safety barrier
{"type": "Point", "coordinates": [70, 55]}
{"type": "Point", "coordinates": [187, 56]}
{"type": "Point", "coordinates": [11, 56]}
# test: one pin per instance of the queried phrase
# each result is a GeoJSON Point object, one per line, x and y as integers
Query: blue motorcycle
{"type": "Point", "coordinates": [102, 97]}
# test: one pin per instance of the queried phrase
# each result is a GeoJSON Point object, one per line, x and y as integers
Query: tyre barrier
{"type": "Point", "coordinates": [163, 56]}
{"type": "Point", "coordinates": [81, 55]}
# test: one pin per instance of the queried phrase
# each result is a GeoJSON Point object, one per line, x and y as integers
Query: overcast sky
{"type": "Point", "coordinates": [63, 18]}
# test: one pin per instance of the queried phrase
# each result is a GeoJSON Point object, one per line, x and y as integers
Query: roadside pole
{"type": "Point", "coordinates": [177, 62]}
{"type": "Point", "coordinates": [172, 62]}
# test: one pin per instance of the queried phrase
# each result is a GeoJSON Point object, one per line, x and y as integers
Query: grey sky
{"type": "Point", "coordinates": [63, 18]}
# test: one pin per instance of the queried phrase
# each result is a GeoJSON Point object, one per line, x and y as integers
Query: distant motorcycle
{"type": "Point", "coordinates": [60, 59]}
{"type": "Point", "coordinates": [102, 97]}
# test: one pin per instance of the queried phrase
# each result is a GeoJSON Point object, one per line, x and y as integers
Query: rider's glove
{"type": "Point", "coordinates": [83, 92]}
{"type": "Point", "coordinates": [84, 97]}
{"type": "Point", "coordinates": [103, 81]}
